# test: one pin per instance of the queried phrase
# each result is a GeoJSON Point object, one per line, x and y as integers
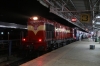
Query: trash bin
{"type": "Point", "coordinates": [92, 46]}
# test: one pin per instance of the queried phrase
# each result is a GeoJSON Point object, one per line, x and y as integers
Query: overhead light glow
{"type": "Point", "coordinates": [93, 21]}
{"type": "Point", "coordinates": [98, 23]}
{"type": "Point", "coordinates": [2, 26]}
{"type": "Point", "coordinates": [25, 28]}
{"type": "Point", "coordinates": [97, 16]}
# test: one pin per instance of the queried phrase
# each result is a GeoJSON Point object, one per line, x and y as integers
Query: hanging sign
{"type": "Point", "coordinates": [85, 18]}
{"type": "Point", "coordinates": [73, 19]}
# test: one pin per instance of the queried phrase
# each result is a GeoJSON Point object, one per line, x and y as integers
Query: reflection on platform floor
{"type": "Point", "coordinates": [75, 54]}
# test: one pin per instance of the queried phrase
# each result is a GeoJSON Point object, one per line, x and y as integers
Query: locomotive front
{"type": "Point", "coordinates": [35, 39]}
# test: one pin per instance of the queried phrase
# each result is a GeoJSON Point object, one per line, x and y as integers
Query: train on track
{"type": "Point", "coordinates": [44, 34]}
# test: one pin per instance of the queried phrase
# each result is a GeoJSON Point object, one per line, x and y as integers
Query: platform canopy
{"type": "Point", "coordinates": [12, 25]}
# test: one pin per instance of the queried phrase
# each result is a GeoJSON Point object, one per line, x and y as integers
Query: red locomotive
{"type": "Point", "coordinates": [44, 34]}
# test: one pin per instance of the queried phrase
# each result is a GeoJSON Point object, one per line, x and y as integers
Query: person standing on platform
{"type": "Point", "coordinates": [80, 37]}
{"type": "Point", "coordinates": [93, 37]}
{"type": "Point", "coordinates": [77, 37]}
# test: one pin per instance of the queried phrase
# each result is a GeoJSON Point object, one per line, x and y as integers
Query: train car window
{"type": "Point", "coordinates": [12, 34]}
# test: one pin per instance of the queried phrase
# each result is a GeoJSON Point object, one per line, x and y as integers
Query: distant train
{"type": "Point", "coordinates": [44, 34]}
{"type": "Point", "coordinates": [12, 33]}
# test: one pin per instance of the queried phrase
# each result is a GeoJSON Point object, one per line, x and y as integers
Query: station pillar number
{"type": "Point", "coordinates": [85, 18]}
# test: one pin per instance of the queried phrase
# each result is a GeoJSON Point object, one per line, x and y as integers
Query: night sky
{"type": "Point", "coordinates": [18, 11]}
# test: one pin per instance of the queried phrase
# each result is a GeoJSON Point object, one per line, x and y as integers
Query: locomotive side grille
{"type": "Point", "coordinates": [50, 30]}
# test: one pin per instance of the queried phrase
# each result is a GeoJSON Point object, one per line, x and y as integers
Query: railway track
{"type": "Point", "coordinates": [18, 60]}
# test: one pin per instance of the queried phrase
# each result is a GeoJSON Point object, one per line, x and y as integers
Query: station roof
{"type": "Point", "coordinates": [60, 10]}
{"type": "Point", "coordinates": [84, 10]}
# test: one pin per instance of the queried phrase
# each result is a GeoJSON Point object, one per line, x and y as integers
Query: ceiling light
{"type": "Point", "coordinates": [98, 23]}
{"type": "Point", "coordinates": [93, 21]}
{"type": "Point", "coordinates": [97, 16]}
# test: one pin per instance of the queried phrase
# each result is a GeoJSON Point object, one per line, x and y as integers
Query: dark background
{"type": "Point", "coordinates": [18, 11]}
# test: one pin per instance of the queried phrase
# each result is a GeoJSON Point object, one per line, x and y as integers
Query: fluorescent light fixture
{"type": "Point", "coordinates": [93, 21]}
{"type": "Point", "coordinates": [2, 26]}
{"type": "Point", "coordinates": [98, 23]}
{"type": "Point", "coordinates": [12, 25]}
{"type": "Point", "coordinates": [92, 33]}
{"type": "Point", "coordinates": [97, 16]}
{"type": "Point", "coordinates": [25, 28]}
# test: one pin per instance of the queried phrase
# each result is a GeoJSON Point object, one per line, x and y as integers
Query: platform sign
{"type": "Point", "coordinates": [73, 19]}
{"type": "Point", "coordinates": [85, 18]}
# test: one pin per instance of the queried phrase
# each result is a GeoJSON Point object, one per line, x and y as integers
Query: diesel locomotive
{"type": "Point", "coordinates": [44, 34]}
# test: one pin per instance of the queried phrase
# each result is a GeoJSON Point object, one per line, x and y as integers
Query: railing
{"type": "Point", "coordinates": [9, 45]}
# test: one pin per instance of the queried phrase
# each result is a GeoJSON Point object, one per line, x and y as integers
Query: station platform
{"type": "Point", "coordinates": [75, 54]}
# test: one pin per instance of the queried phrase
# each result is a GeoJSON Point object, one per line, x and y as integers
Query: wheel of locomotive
{"type": "Point", "coordinates": [40, 51]}
{"type": "Point", "coordinates": [62, 44]}
{"type": "Point", "coordinates": [66, 42]}
{"type": "Point", "coordinates": [52, 47]}
{"type": "Point", "coordinates": [56, 46]}
{"type": "Point", "coordinates": [41, 48]}
{"type": "Point", "coordinates": [30, 51]}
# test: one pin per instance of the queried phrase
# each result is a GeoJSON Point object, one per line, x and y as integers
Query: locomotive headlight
{"type": "Point", "coordinates": [40, 40]}
{"type": "Point", "coordinates": [35, 18]}
{"type": "Point", "coordinates": [23, 39]}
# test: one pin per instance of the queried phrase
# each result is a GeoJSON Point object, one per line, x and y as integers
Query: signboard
{"type": "Point", "coordinates": [73, 19]}
{"type": "Point", "coordinates": [85, 18]}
